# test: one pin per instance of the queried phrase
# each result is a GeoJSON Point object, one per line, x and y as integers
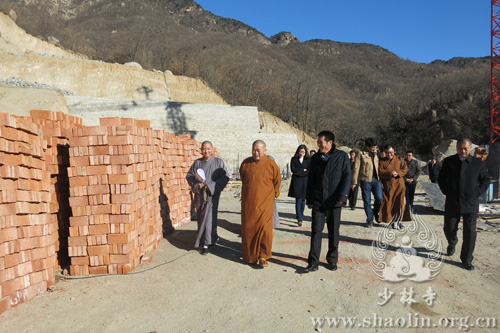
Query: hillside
{"type": "Point", "coordinates": [354, 89]}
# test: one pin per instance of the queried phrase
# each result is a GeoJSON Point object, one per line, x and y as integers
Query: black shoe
{"type": "Point", "coordinates": [450, 250]}
{"type": "Point", "coordinates": [218, 238]}
{"type": "Point", "coordinates": [205, 251]}
{"type": "Point", "coordinates": [332, 267]}
{"type": "Point", "coordinates": [369, 224]}
{"type": "Point", "coordinates": [311, 268]}
{"type": "Point", "coordinates": [299, 223]}
{"type": "Point", "coordinates": [468, 267]}
{"type": "Point", "coordinates": [352, 208]}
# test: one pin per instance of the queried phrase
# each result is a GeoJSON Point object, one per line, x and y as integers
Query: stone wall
{"type": "Point", "coordinates": [230, 128]}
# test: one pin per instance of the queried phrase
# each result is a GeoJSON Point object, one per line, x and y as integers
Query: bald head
{"type": "Point", "coordinates": [258, 150]}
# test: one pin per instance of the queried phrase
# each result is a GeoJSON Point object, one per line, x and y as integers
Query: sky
{"type": "Point", "coordinates": [417, 30]}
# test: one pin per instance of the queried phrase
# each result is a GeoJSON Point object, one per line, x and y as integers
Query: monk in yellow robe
{"type": "Point", "coordinates": [261, 179]}
{"type": "Point", "coordinates": [391, 170]}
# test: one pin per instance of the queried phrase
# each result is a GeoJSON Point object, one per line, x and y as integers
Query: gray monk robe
{"type": "Point", "coordinates": [216, 178]}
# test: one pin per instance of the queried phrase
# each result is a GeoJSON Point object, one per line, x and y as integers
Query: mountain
{"type": "Point", "coordinates": [356, 90]}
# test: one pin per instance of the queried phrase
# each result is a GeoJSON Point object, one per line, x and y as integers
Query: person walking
{"type": "Point", "coordinates": [353, 193]}
{"type": "Point", "coordinates": [261, 179]}
{"type": "Point", "coordinates": [463, 178]}
{"type": "Point", "coordinates": [411, 178]}
{"type": "Point", "coordinates": [392, 170]}
{"type": "Point", "coordinates": [327, 189]}
{"type": "Point", "coordinates": [207, 177]}
{"type": "Point", "coordinates": [434, 169]}
{"type": "Point", "coordinates": [299, 166]}
{"type": "Point", "coordinates": [365, 172]}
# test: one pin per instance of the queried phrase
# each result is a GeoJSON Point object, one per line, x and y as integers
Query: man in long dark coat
{"type": "Point", "coordinates": [462, 179]}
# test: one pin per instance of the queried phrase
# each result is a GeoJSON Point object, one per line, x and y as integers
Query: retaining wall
{"type": "Point", "coordinates": [230, 128]}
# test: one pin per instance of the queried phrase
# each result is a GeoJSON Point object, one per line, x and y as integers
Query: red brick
{"type": "Point", "coordinates": [120, 140]}
{"type": "Point", "coordinates": [110, 121]}
{"type": "Point", "coordinates": [146, 259]}
{"type": "Point", "coordinates": [122, 159]}
{"type": "Point", "coordinates": [23, 269]}
{"type": "Point", "coordinates": [79, 201]}
{"type": "Point", "coordinates": [98, 270]}
{"type": "Point", "coordinates": [97, 130]}
{"type": "Point", "coordinates": [79, 161]}
{"type": "Point", "coordinates": [77, 241]}
{"type": "Point", "coordinates": [7, 119]}
{"type": "Point", "coordinates": [39, 253]}
{"type": "Point", "coordinates": [121, 258]}
{"type": "Point", "coordinates": [77, 221]}
{"type": "Point", "coordinates": [82, 141]}
{"type": "Point", "coordinates": [11, 260]}
{"type": "Point", "coordinates": [99, 229]}
{"type": "Point", "coordinates": [99, 250]}
{"type": "Point", "coordinates": [4, 304]}
{"type": "Point", "coordinates": [101, 209]}
{"type": "Point", "coordinates": [143, 123]}
{"type": "Point", "coordinates": [121, 179]}
{"type": "Point", "coordinates": [125, 269]}
{"type": "Point", "coordinates": [98, 189]}
{"type": "Point", "coordinates": [80, 261]}
{"type": "Point", "coordinates": [10, 286]}
{"type": "Point", "coordinates": [118, 238]}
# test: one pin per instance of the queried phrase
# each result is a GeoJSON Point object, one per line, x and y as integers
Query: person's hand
{"type": "Point", "coordinates": [409, 180]}
{"type": "Point", "coordinates": [394, 174]}
{"type": "Point", "coordinates": [353, 186]}
{"type": "Point", "coordinates": [309, 206]}
{"type": "Point", "coordinates": [341, 202]}
{"type": "Point", "coordinates": [305, 169]}
{"type": "Point", "coordinates": [201, 185]}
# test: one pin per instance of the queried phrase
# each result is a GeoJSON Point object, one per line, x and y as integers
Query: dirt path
{"type": "Point", "coordinates": [183, 291]}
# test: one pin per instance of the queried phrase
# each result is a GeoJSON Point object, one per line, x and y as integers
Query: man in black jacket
{"type": "Point", "coordinates": [462, 180]}
{"type": "Point", "coordinates": [328, 185]}
{"type": "Point", "coordinates": [411, 178]}
{"type": "Point", "coordinates": [434, 168]}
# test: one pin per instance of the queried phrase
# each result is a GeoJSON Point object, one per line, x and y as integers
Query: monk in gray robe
{"type": "Point", "coordinates": [207, 177]}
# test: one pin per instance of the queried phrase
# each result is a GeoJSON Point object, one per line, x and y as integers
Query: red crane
{"type": "Point", "coordinates": [495, 72]}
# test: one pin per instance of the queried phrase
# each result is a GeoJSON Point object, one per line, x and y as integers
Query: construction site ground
{"type": "Point", "coordinates": [184, 291]}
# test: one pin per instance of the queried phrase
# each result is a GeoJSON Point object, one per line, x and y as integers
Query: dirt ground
{"type": "Point", "coordinates": [183, 291]}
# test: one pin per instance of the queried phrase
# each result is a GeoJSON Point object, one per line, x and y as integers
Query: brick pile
{"type": "Point", "coordinates": [119, 172]}
{"type": "Point", "coordinates": [56, 130]}
{"type": "Point", "coordinates": [27, 234]}
{"type": "Point", "coordinates": [100, 197]}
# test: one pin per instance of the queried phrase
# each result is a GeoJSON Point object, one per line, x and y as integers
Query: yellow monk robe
{"type": "Point", "coordinates": [260, 185]}
{"type": "Point", "coordinates": [393, 190]}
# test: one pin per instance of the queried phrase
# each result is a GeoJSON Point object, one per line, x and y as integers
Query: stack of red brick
{"type": "Point", "coordinates": [56, 130]}
{"type": "Point", "coordinates": [100, 196]}
{"type": "Point", "coordinates": [119, 172]}
{"type": "Point", "coordinates": [28, 236]}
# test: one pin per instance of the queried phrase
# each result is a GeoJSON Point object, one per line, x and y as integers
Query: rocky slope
{"type": "Point", "coordinates": [31, 59]}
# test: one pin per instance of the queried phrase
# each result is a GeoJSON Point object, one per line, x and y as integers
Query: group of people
{"type": "Point", "coordinates": [325, 181]}
{"type": "Point", "coordinates": [391, 179]}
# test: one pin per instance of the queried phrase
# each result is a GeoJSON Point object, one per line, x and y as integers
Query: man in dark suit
{"type": "Point", "coordinates": [462, 180]}
{"type": "Point", "coordinates": [328, 185]}
{"type": "Point", "coordinates": [434, 170]}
